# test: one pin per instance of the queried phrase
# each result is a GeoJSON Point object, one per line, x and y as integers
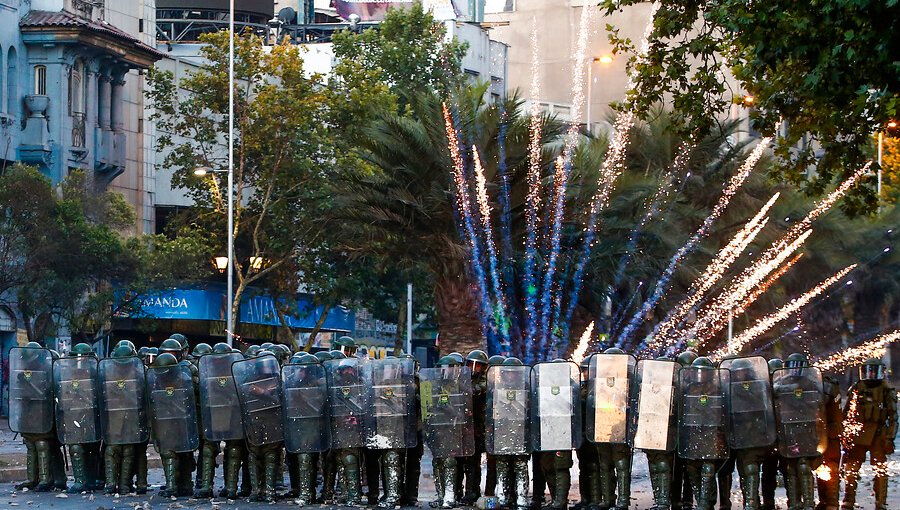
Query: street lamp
{"type": "Point", "coordinates": [221, 263]}
{"type": "Point", "coordinates": [203, 171]}
{"type": "Point", "coordinates": [605, 60]}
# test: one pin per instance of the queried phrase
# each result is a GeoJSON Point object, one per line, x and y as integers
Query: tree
{"type": "Point", "coordinates": [827, 70]}
{"type": "Point", "coordinates": [283, 152]}
{"type": "Point", "coordinates": [66, 263]}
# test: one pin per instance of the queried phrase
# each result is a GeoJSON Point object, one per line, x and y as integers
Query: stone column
{"type": "Point", "coordinates": [117, 105]}
{"type": "Point", "coordinates": [104, 101]}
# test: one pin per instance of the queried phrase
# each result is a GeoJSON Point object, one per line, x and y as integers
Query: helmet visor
{"type": "Point", "coordinates": [871, 372]}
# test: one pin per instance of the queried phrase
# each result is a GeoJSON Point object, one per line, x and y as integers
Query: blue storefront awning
{"type": "Point", "coordinates": [208, 304]}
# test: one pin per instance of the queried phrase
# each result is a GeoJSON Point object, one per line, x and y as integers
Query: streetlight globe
{"type": "Point", "coordinates": [605, 59]}
{"type": "Point", "coordinates": [201, 171]}
{"type": "Point", "coordinates": [892, 124]}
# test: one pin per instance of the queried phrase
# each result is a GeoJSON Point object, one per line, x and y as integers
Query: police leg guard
{"type": "Point", "coordinates": [520, 476]}
{"type": "Point", "coordinates": [706, 494]}
{"type": "Point", "coordinates": [170, 470]}
{"type": "Point", "coordinates": [411, 472]}
{"type": "Point", "coordinates": [255, 474]}
{"type": "Point", "coordinates": [352, 485]}
{"type": "Point", "coordinates": [392, 474]}
{"type": "Point", "coordinates": [561, 479]}
{"type": "Point", "coordinates": [57, 465]}
{"type": "Point", "coordinates": [198, 480]}
{"type": "Point", "coordinates": [472, 470]}
{"type": "Point", "coordinates": [271, 461]}
{"type": "Point", "coordinates": [329, 475]}
{"type": "Point", "coordinates": [503, 476]}
{"type": "Point", "coordinates": [851, 479]}
{"type": "Point", "coordinates": [725, 479]}
{"type": "Point", "coordinates": [807, 484]}
{"type": "Point", "coordinates": [605, 475]}
{"type": "Point", "coordinates": [303, 470]}
{"type": "Point", "coordinates": [293, 468]}
{"type": "Point", "coordinates": [449, 482]}
{"type": "Point", "coordinates": [829, 490]}
{"type": "Point", "coordinates": [623, 478]}
{"type": "Point", "coordinates": [792, 485]}
{"type": "Point", "coordinates": [279, 471]}
{"type": "Point", "coordinates": [206, 469]}
{"type": "Point", "coordinates": [125, 468]}
{"type": "Point", "coordinates": [113, 461]}
{"type": "Point", "coordinates": [140, 467]}
{"type": "Point", "coordinates": [748, 473]}
{"type": "Point", "coordinates": [45, 478]}
{"type": "Point", "coordinates": [186, 466]}
{"type": "Point", "coordinates": [31, 469]}
{"type": "Point", "coordinates": [660, 479]}
{"type": "Point", "coordinates": [232, 470]}
{"type": "Point", "coordinates": [880, 487]}
{"type": "Point", "coordinates": [437, 474]}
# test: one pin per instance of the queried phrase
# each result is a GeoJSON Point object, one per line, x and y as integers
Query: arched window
{"type": "Point", "coordinates": [40, 80]}
{"type": "Point", "coordinates": [76, 88]}
{"type": "Point", "coordinates": [12, 90]}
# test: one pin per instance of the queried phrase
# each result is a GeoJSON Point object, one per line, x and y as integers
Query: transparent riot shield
{"type": "Point", "coordinates": [173, 408]}
{"type": "Point", "coordinates": [306, 423]}
{"type": "Point", "coordinates": [258, 382]}
{"type": "Point", "coordinates": [507, 428]}
{"type": "Point", "coordinates": [653, 424]}
{"type": "Point", "coordinates": [391, 418]}
{"type": "Point", "coordinates": [555, 407]}
{"type": "Point", "coordinates": [751, 415]}
{"type": "Point", "coordinates": [799, 409]}
{"type": "Point", "coordinates": [610, 381]}
{"type": "Point", "coordinates": [220, 408]}
{"type": "Point", "coordinates": [77, 404]}
{"type": "Point", "coordinates": [346, 402]}
{"type": "Point", "coordinates": [445, 395]}
{"type": "Point", "coordinates": [123, 406]}
{"type": "Point", "coordinates": [702, 416]}
{"type": "Point", "coordinates": [30, 390]}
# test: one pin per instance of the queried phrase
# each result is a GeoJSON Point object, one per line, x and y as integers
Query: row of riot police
{"type": "Point", "coordinates": [337, 415]}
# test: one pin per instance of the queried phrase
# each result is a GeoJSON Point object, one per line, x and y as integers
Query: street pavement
{"type": "Point", "coordinates": [12, 464]}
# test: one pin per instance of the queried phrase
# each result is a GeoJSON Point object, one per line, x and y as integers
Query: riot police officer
{"type": "Point", "coordinates": [829, 487]}
{"type": "Point", "coordinates": [477, 361]}
{"type": "Point", "coordinates": [681, 493]}
{"type": "Point", "coordinates": [556, 430]}
{"type": "Point", "coordinates": [78, 414]}
{"type": "Point", "coordinates": [31, 413]}
{"type": "Point", "coordinates": [611, 377]}
{"type": "Point", "coordinates": [654, 426]}
{"type": "Point", "coordinates": [122, 384]}
{"type": "Point", "coordinates": [346, 346]}
{"type": "Point", "coordinates": [702, 441]}
{"type": "Point", "coordinates": [772, 462]}
{"type": "Point", "coordinates": [490, 476]}
{"type": "Point", "coordinates": [751, 421]}
{"type": "Point", "coordinates": [508, 436]}
{"type": "Point", "coordinates": [347, 403]}
{"type": "Point", "coordinates": [305, 422]}
{"type": "Point", "coordinates": [872, 404]}
{"type": "Point", "coordinates": [173, 411]}
{"type": "Point", "coordinates": [797, 389]}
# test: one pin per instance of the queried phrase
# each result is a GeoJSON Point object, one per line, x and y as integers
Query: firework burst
{"type": "Point", "coordinates": [874, 348]}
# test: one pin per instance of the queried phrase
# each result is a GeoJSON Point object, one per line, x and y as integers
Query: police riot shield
{"type": "Point", "coordinates": [702, 416]}
{"type": "Point", "coordinates": [306, 424]}
{"type": "Point", "coordinates": [123, 407]}
{"type": "Point", "coordinates": [30, 390]}
{"type": "Point", "coordinates": [220, 408]}
{"type": "Point", "coordinates": [77, 406]}
{"type": "Point", "coordinates": [799, 409]}
{"type": "Point", "coordinates": [173, 408]}
{"type": "Point", "coordinates": [258, 382]}
{"type": "Point", "coordinates": [507, 427]}
{"type": "Point", "coordinates": [653, 422]}
{"type": "Point", "coordinates": [610, 381]}
{"type": "Point", "coordinates": [346, 402]}
{"type": "Point", "coordinates": [555, 409]}
{"type": "Point", "coordinates": [445, 395]}
{"type": "Point", "coordinates": [751, 415]}
{"type": "Point", "coordinates": [391, 418]}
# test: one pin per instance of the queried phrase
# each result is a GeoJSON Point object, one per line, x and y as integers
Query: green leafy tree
{"type": "Point", "coordinates": [828, 70]}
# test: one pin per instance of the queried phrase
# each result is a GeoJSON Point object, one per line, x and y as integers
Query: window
{"type": "Point", "coordinates": [12, 91]}
{"type": "Point", "coordinates": [40, 80]}
{"type": "Point", "coordinates": [76, 88]}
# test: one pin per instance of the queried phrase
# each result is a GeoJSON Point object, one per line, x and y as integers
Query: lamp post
{"type": "Point", "coordinates": [228, 264]}
{"type": "Point", "coordinates": [605, 60]}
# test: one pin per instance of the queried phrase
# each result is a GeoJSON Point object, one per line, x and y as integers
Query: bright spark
{"type": "Point", "coordinates": [583, 344]}
{"type": "Point", "coordinates": [874, 348]}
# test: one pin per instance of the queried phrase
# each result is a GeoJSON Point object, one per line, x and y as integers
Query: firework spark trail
{"type": "Point", "coordinates": [583, 344]}
{"type": "Point", "coordinates": [662, 285]}
{"type": "Point", "coordinates": [874, 348]}
{"type": "Point", "coordinates": [852, 425]}
{"type": "Point", "coordinates": [761, 289]}
{"type": "Point", "coordinates": [464, 208]}
{"type": "Point", "coordinates": [484, 207]}
{"type": "Point", "coordinates": [613, 166]}
{"type": "Point", "coordinates": [654, 205]}
{"type": "Point", "coordinates": [714, 317]}
{"type": "Point", "coordinates": [713, 272]}
{"type": "Point", "coordinates": [560, 179]}
{"type": "Point", "coordinates": [763, 325]}
{"type": "Point", "coordinates": [532, 199]}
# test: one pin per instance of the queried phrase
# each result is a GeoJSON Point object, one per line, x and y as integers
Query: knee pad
{"type": "Point", "coordinates": [350, 461]}
{"type": "Point", "coordinates": [42, 445]}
